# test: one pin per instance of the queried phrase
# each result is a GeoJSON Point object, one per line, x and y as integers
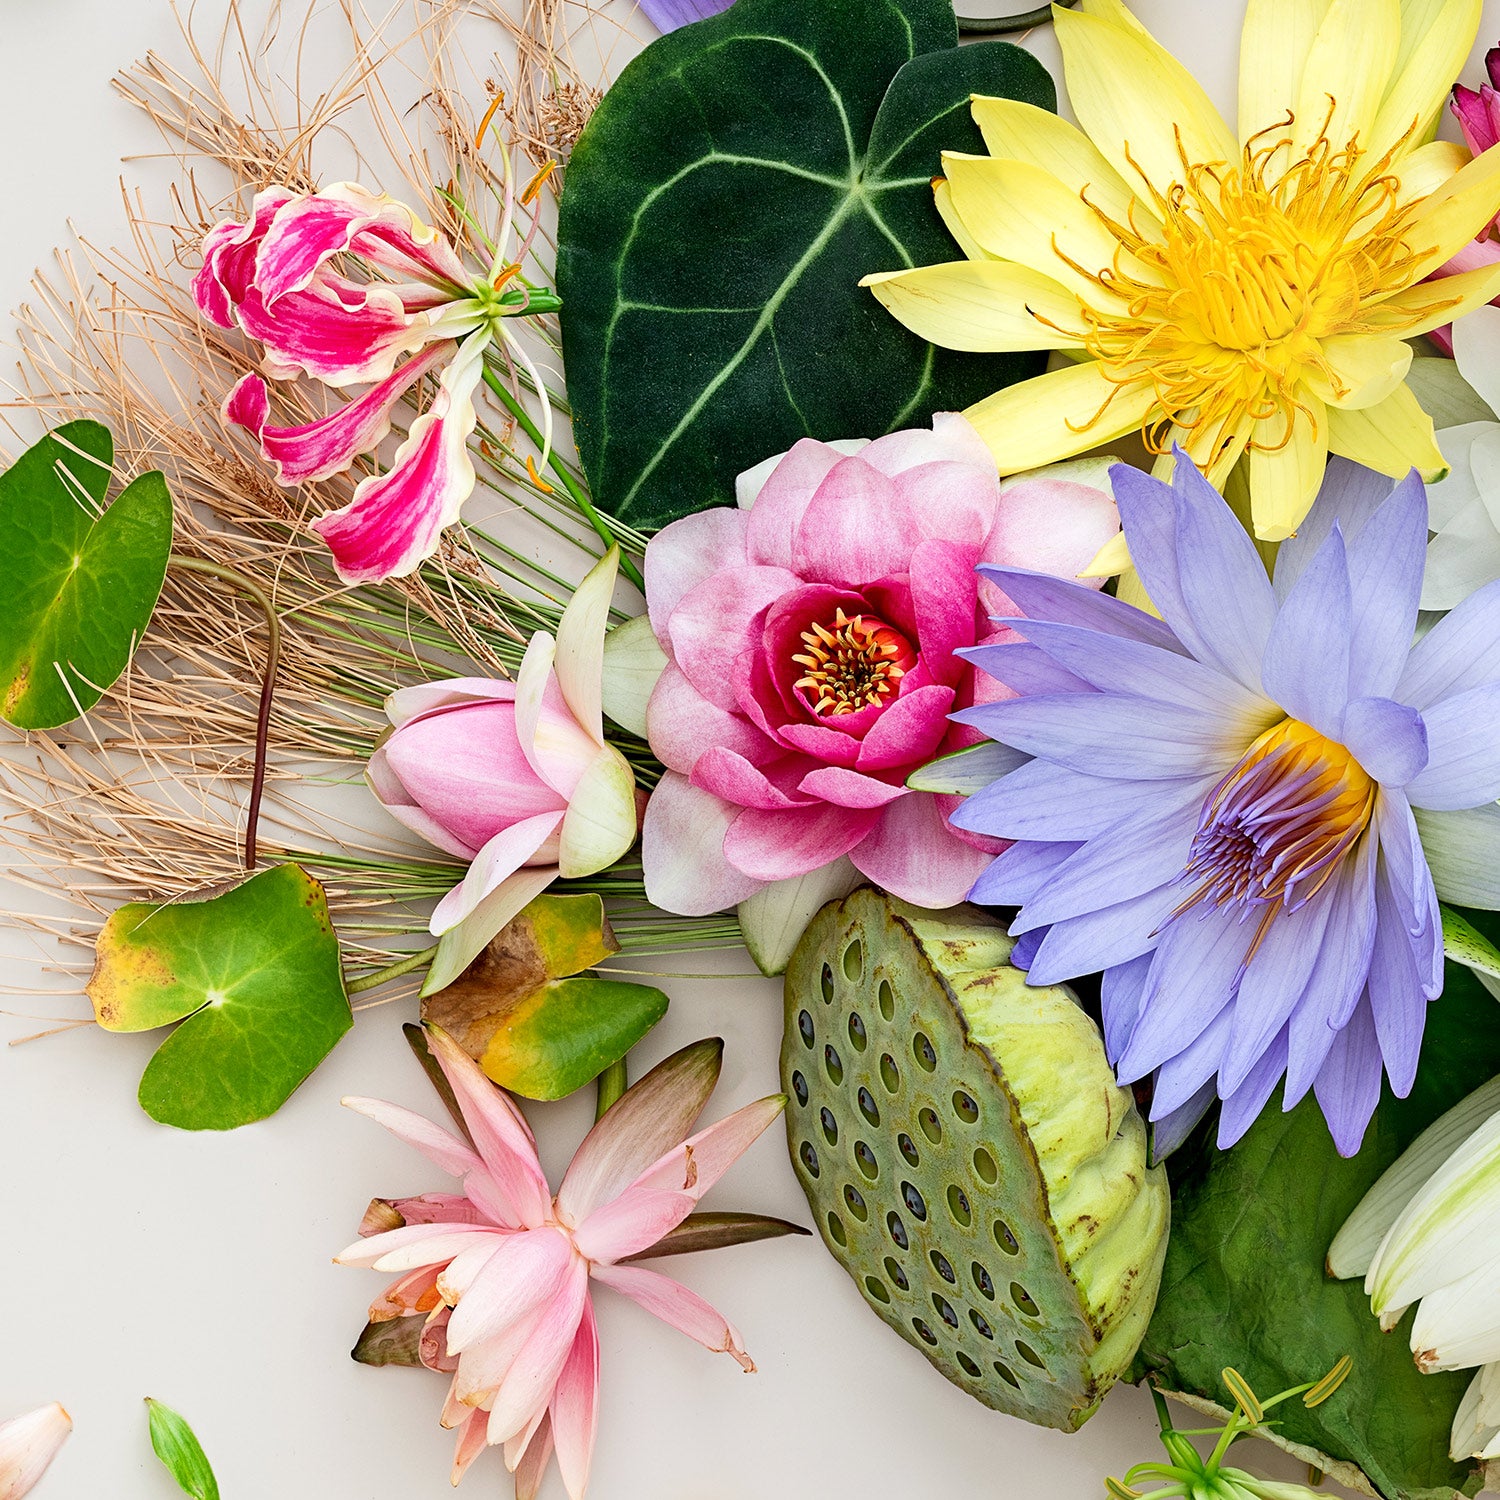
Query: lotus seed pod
{"type": "Point", "coordinates": [968, 1156]}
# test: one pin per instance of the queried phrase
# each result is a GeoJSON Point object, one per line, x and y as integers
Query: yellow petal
{"type": "Point", "coordinates": [1022, 132]}
{"type": "Point", "coordinates": [1431, 304]}
{"type": "Point", "coordinates": [1449, 218]}
{"type": "Point", "coordinates": [1347, 72]}
{"type": "Point", "coordinates": [984, 306]}
{"type": "Point", "coordinates": [1115, 13]}
{"type": "Point", "coordinates": [1135, 100]}
{"type": "Point", "coordinates": [1284, 479]}
{"type": "Point", "coordinates": [1113, 557]}
{"type": "Point", "coordinates": [1436, 36]}
{"type": "Point", "coordinates": [1274, 45]}
{"type": "Point", "coordinates": [1392, 438]}
{"type": "Point", "coordinates": [942, 194]}
{"type": "Point", "coordinates": [1019, 212]}
{"type": "Point", "coordinates": [1056, 415]}
{"type": "Point", "coordinates": [1366, 369]}
{"type": "Point", "coordinates": [1426, 169]}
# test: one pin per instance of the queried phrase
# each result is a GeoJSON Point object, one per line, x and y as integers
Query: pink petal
{"type": "Point", "coordinates": [732, 778]}
{"type": "Point", "coordinates": [413, 1246]}
{"type": "Point", "coordinates": [406, 704]}
{"type": "Point", "coordinates": [396, 519]}
{"type": "Point", "coordinates": [679, 1308]}
{"type": "Point", "coordinates": [648, 1119]}
{"type": "Point", "coordinates": [909, 732]}
{"type": "Point", "coordinates": [698, 1163]}
{"type": "Point", "coordinates": [914, 855]}
{"type": "Point", "coordinates": [530, 842]}
{"type": "Point", "coordinates": [687, 553]}
{"type": "Point", "coordinates": [575, 1408]}
{"type": "Point", "coordinates": [1052, 526]}
{"type": "Point", "coordinates": [713, 624]}
{"type": "Point", "coordinates": [952, 439]}
{"type": "Point", "coordinates": [229, 251]}
{"type": "Point", "coordinates": [682, 724]}
{"type": "Point", "coordinates": [779, 845]}
{"type": "Point", "coordinates": [28, 1444]}
{"type": "Point", "coordinates": [529, 1383]}
{"type": "Point", "coordinates": [471, 1443]}
{"type": "Point", "coordinates": [846, 788]}
{"type": "Point", "coordinates": [523, 1271]}
{"type": "Point", "coordinates": [531, 1467]}
{"type": "Point", "coordinates": [415, 1292]}
{"type": "Point", "coordinates": [633, 1222]}
{"type": "Point", "coordinates": [856, 529]}
{"type": "Point", "coordinates": [441, 1147]}
{"type": "Point", "coordinates": [777, 510]}
{"type": "Point", "coordinates": [502, 1137]}
{"type": "Point", "coordinates": [330, 444]}
{"type": "Point", "coordinates": [558, 748]}
{"type": "Point", "coordinates": [952, 502]}
{"type": "Point", "coordinates": [682, 850]}
{"type": "Point", "coordinates": [827, 745]}
{"type": "Point", "coordinates": [945, 599]}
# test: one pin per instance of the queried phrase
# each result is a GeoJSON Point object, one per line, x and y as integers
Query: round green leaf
{"type": "Point", "coordinates": [730, 191]}
{"type": "Point", "coordinates": [255, 979]}
{"type": "Point", "coordinates": [78, 582]}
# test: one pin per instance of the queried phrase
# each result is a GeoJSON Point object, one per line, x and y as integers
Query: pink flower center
{"type": "Point", "coordinates": [852, 664]}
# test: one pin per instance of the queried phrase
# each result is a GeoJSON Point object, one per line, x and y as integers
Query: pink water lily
{"type": "Point", "coordinates": [27, 1445]}
{"type": "Point", "coordinates": [514, 777]}
{"type": "Point", "coordinates": [416, 309]}
{"type": "Point", "coordinates": [505, 1271]}
{"type": "Point", "coordinates": [813, 641]}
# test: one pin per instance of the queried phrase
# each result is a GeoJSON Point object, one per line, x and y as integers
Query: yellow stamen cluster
{"type": "Point", "coordinates": [851, 664]}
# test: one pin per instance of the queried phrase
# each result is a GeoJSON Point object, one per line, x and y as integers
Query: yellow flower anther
{"type": "Point", "coordinates": [535, 185]}
{"type": "Point", "coordinates": [536, 478]}
{"type": "Point", "coordinates": [1247, 1400]}
{"type": "Point", "coordinates": [1329, 1383]}
{"type": "Point", "coordinates": [1119, 1490]}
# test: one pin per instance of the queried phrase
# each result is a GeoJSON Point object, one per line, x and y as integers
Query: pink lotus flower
{"type": "Point", "coordinates": [514, 777]}
{"type": "Point", "coordinates": [275, 277]}
{"type": "Point", "coordinates": [814, 640]}
{"type": "Point", "coordinates": [1478, 114]}
{"type": "Point", "coordinates": [504, 1270]}
{"type": "Point", "coordinates": [27, 1445]}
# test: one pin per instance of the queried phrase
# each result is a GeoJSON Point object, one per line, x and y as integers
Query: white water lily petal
{"type": "Point", "coordinates": [1461, 558]}
{"type": "Point", "coordinates": [965, 772]}
{"type": "Point", "coordinates": [1463, 854]}
{"type": "Point", "coordinates": [1353, 1249]}
{"type": "Point", "coordinates": [1458, 1326]}
{"type": "Point", "coordinates": [1449, 496]}
{"type": "Point", "coordinates": [579, 658]}
{"type": "Point", "coordinates": [600, 823]}
{"type": "Point", "coordinates": [633, 661]}
{"type": "Point", "coordinates": [1476, 352]}
{"type": "Point", "coordinates": [1476, 1424]}
{"type": "Point", "coordinates": [773, 920]}
{"type": "Point", "coordinates": [27, 1445]}
{"type": "Point", "coordinates": [1448, 1231]}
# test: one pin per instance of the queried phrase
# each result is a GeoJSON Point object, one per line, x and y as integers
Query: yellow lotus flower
{"type": "Point", "coordinates": [1241, 296]}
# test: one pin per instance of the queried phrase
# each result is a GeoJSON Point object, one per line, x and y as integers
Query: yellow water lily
{"type": "Point", "coordinates": [1242, 295]}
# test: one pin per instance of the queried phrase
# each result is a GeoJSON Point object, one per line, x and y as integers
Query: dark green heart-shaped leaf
{"type": "Point", "coordinates": [1244, 1283]}
{"type": "Point", "coordinates": [177, 1446]}
{"type": "Point", "coordinates": [730, 191]}
{"type": "Point", "coordinates": [254, 977]}
{"type": "Point", "coordinates": [78, 582]}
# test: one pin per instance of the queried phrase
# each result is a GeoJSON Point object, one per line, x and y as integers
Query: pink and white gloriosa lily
{"type": "Point", "coordinates": [515, 777]}
{"type": "Point", "coordinates": [280, 277]}
{"type": "Point", "coordinates": [27, 1445]}
{"type": "Point", "coordinates": [505, 1270]}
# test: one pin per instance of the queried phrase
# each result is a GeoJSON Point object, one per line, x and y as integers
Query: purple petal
{"type": "Point", "coordinates": [1385, 559]}
{"type": "Point", "coordinates": [1387, 738]}
{"type": "Point", "coordinates": [1182, 1078]}
{"type": "Point", "coordinates": [1040, 596]}
{"type": "Point", "coordinates": [668, 15]}
{"type": "Point", "coordinates": [1350, 495]}
{"type": "Point", "coordinates": [1169, 1132]}
{"type": "Point", "coordinates": [1014, 877]}
{"type": "Point", "coordinates": [1460, 652]}
{"type": "Point", "coordinates": [1463, 752]}
{"type": "Point", "coordinates": [1087, 944]}
{"type": "Point", "coordinates": [1246, 1102]}
{"type": "Point", "coordinates": [1120, 992]}
{"type": "Point", "coordinates": [1348, 1086]}
{"type": "Point", "coordinates": [1024, 952]}
{"type": "Point", "coordinates": [1024, 668]}
{"type": "Point", "coordinates": [1307, 659]}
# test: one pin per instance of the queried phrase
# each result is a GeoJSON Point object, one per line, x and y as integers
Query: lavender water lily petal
{"type": "Point", "coordinates": [668, 15]}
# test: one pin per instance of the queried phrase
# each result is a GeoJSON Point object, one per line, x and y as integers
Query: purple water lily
{"type": "Point", "coordinates": [668, 15]}
{"type": "Point", "coordinates": [1227, 807]}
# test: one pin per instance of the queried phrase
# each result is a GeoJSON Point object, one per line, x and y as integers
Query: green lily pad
{"type": "Point", "coordinates": [738, 179]}
{"type": "Point", "coordinates": [78, 582]}
{"type": "Point", "coordinates": [253, 975]}
{"type": "Point", "coordinates": [521, 1011]}
{"type": "Point", "coordinates": [1245, 1285]}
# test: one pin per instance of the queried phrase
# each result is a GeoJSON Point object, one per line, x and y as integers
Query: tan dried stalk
{"type": "Point", "coordinates": [143, 799]}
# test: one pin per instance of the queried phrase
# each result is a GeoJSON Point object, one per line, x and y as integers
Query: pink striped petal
{"type": "Point", "coordinates": [779, 845]}
{"type": "Point", "coordinates": [945, 599]}
{"type": "Point", "coordinates": [471, 1443]}
{"type": "Point", "coordinates": [330, 444]}
{"type": "Point", "coordinates": [533, 1374]}
{"type": "Point", "coordinates": [633, 1222]}
{"type": "Point", "coordinates": [649, 1118]}
{"type": "Point", "coordinates": [437, 1208]}
{"type": "Point", "coordinates": [524, 1271]}
{"type": "Point", "coordinates": [523, 843]}
{"type": "Point", "coordinates": [682, 850]}
{"type": "Point", "coordinates": [502, 1137]}
{"type": "Point", "coordinates": [679, 1308]}
{"type": "Point", "coordinates": [441, 1147]}
{"type": "Point", "coordinates": [696, 1165]}
{"type": "Point", "coordinates": [313, 228]}
{"type": "Point", "coordinates": [917, 857]}
{"type": "Point", "coordinates": [28, 1444]}
{"type": "Point", "coordinates": [406, 704]}
{"type": "Point", "coordinates": [686, 553]}
{"type": "Point", "coordinates": [229, 251]}
{"type": "Point", "coordinates": [856, 530]}
{"type": "Point", "coordinates": [413, 1246]}
{"type": "Point", "coordinates": [575, 1408]}
{"type": "Point", "coordinates": [396, 519]}
{"type": "Point", "coordinates": [846, 788]}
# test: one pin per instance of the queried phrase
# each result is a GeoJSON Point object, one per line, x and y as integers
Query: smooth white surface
{"type": "Point", "coordinates": [141, 1261]}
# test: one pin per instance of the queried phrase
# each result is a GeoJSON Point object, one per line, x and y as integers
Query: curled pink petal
{"type": "Point", "coordinates": [679, 1308]}
{"type": "Point", "coordinates": [732, 777]}
{"type": "Point", "coordinates": [688, 551]}
{"type": "Point", "coordinates": [229, 251]}
{"type": "Point", "coordinates": [524, 1270]}
{"type": "Point", "coordinates": [633, 1222]}
{"type": "Point", "coordinates": [845, 788]}
{"type": "Point", "coordinates": [683, 725]}
{"type": "Point", "coordinates": [439, 1146]}
{"type": "Point", "coordinates": [857, 528]}
{"type": "Point", "coordinates": [696, 1165]}
{"type": "Point", "coordinates": [471, 1443]}
{"type": "Point", "coordinates": [532, 1376]}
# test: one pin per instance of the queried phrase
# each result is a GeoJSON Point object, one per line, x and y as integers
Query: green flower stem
{"type": "Point", "coordinates": [612, 1082]}
{"type": "Point", "coordinates": [377, 977]}
{"type": "Point", "coordinates": [508, 400]}
{"type": "Point", "coordinates": [268, 683]}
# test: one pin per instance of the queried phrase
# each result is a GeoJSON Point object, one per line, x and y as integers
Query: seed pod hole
{"type": "Point", "coordinates": [986, 1167]}
{"type": "Point", "coordinates": [836, 1230]}
{"type": "Point", "coordinates": [809, 1157]}
{"type": "Point", "coordinates": [890, 1075]}
{"type": "Point", "coordinates": [1023, 1300]}
{"type": "Point", "coordinates": [857, 1031]}
{"type": "Point", "coordinates": [981, 1324]}
{"type": "Point", "coordinates": [982, 1281]}
{"type": "Point", "coordinates": [945, 1309]}
{"type": "Point", "coordinates": [867, 1105]}
{"type": "Point", "coordinates": [908, 1149]}
{"type": "Point", "coordinates": [827, 984]}
{"type": "Point", "coordinates": [968, 1366]}
{"type": "Point", "coordinates": [1005, 1239]}
{"type": "Point", "coordinates": [1006, 1374]}
{"type": "Point", "coordinates": [965, 1106]}
{"type": "Point", "coordinates": [877, 1289]}
{"type": "Point", "coordinates": [944, 1268]}
{"type": "Point", "coordinates": [854, 962]}
{"type": "Point", "coordinates": [897, 1231]}
{"type": "Point", "coordinates": [830, 1126]}
{"type": "Point", "coordinates": [915, 1203]}
{"type": "Point", "coordinates": [923, 1331]}
{"type": "Point", "coordinates": [897, 1275]}
{"type": "Point", "coordinates": [865, 1160]}
{"type": "Point", "coordinates": [886, 998]}
{"type": "Point", "coordinates": [1029, 1354]}
{"type": "Point", "coordinates": [854, 1201]}
{"type": "Point", "coordinates": [932, 1127]}
{"type": "Point", "coordinates": [799, 1087]}
{"type": "Point", "coordinates": [958, 1206]}
{"type": "Point", "coordinates": [805, 1028]}
{"type": "Point", "coordinates": [922, 1050]}
{"type": "Point", "coordinates": [833, 1065]}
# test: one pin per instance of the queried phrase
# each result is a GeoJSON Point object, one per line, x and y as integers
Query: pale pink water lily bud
{"type": "Point", "coordinates": [515, 777]}
{"type": "Point", "coordinates": [27, 1445]}
{"type": "Point", "coordinates": [815, 642]}
{"type": "Point", "coordinates": [281, 277]}
{"type": "Point", "coordinates": [505, 1271]}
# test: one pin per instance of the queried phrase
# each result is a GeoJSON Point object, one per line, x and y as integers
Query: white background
{"type": "Point", "coordinates": [136, 1260]}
